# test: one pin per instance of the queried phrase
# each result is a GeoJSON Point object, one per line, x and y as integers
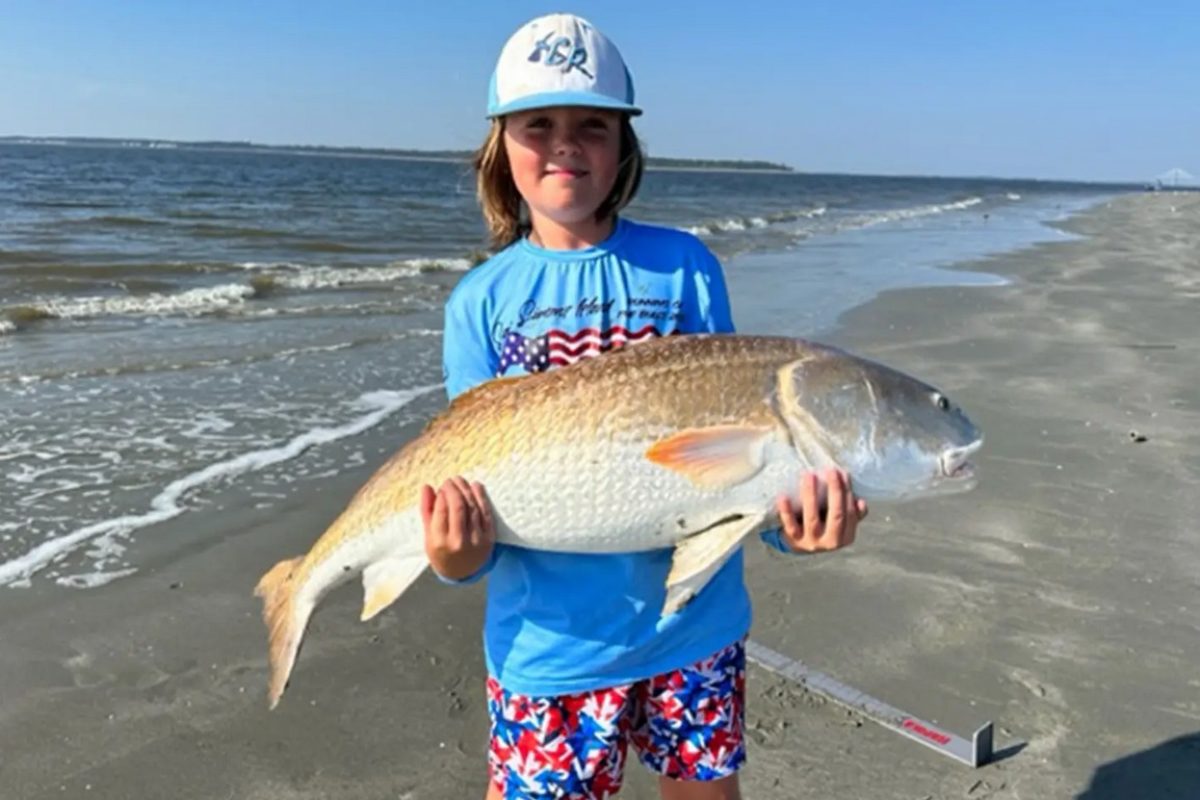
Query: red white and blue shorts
{"type": "Point", "coordinates": [687, 724]}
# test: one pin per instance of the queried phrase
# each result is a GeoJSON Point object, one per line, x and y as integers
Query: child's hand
{"type": "Point", "coordinates": [459, 534]}
{"type": "Point", "coordinates": [819, 527]}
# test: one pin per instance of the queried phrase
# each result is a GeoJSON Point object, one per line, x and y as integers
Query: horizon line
{"type": "Point", "coordinates": [454, 155]}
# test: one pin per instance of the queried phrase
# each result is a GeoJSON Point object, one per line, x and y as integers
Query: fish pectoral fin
{"type": "Point", "coordinates": [715, 457]}
{"type": "Point", "coordinates": [386, 580]}
{"type": "Point", "coordinates": [698, 557]}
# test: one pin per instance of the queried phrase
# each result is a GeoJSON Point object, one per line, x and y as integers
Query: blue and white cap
{"type": "Point", "coordinates": [559, 60]}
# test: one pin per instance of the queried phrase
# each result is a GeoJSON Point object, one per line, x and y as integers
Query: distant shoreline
{"type": "Point", "coordinates": [437, 156]}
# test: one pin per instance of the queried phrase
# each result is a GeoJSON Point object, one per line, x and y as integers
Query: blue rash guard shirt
{"type": "Point", "coordinates": [563, 623]}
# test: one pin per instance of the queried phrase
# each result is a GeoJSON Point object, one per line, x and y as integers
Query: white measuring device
{"type": "Point", "coordinates": [974, 752]}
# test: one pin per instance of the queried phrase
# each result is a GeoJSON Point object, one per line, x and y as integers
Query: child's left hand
{"type": "Point", "coordinates": [821, 527]}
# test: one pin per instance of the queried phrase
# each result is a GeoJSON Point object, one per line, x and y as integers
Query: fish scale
{"type": "Point", "coordinates": [680, 442]}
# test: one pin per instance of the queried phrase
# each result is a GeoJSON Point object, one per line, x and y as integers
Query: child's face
{"type": "Point", "coordinates": [564, 160]}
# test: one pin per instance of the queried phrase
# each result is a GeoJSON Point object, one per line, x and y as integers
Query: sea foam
{"type": "Point", "coordinates": [170, 501]}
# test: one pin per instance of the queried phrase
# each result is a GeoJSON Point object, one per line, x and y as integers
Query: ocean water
{"type": "Point", "coordinates": [174, 322]}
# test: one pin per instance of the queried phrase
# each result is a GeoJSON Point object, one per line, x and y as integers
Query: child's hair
{"type": "Point", "coordinates": [501, 203]}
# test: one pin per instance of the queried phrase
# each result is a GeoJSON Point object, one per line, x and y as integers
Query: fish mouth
{"type": "Point", "coordinates": [955, 463]}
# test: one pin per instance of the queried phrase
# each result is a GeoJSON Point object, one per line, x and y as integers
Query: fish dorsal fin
{"type": "Point", "coordinates": [698, 557]}
{"type": "Point", "coordinates": [715, 457]}
{"type": "Point", "coordinates": [384, 581]}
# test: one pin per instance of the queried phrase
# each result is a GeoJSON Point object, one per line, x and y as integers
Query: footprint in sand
{"type": "Point", "coordinates": [1046, 726]}
{"type": "Point", "coordinates": [83, 671]}
{"type": "Point", "coordinates": [1043, 691]}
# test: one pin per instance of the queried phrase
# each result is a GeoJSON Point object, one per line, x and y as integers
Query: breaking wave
{"type": "Point", "coordinates": [269, 279]}
{"type": "Point", "coordinates": [191, 302]}
{"type": "Point", "coordinates": [821, 223]}
{"type": "Point", "coordinates": [736, 224]}
{"type": "Point", "coordinates": [914, 212]}
{"type": "Point", "coordinates": [294, 276]}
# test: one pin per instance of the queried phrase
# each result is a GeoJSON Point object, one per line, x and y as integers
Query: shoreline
{"type": "Point", "coordinates": [846, 283]}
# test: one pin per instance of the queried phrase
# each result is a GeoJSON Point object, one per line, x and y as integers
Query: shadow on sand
{"type": "Point", "coordinates": [1169, 770]}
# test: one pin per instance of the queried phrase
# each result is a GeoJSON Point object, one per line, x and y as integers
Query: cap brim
{"type": "Point", "coordinates": [551, 99]}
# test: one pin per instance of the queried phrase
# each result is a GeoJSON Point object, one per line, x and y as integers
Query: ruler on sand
{"type": "Point", "coordinates": [974, 752]}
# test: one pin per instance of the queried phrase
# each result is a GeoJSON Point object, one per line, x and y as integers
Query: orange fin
{"type": "Point", "coordinates": [286, 620]}
{"type": "Point", "coordinates": [716, 457]}
{"type": "Point", "coordinates": [385, 580]}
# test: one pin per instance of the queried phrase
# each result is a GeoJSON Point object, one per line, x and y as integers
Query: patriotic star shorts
{"type": "Point", "coordinates": [687, 724]}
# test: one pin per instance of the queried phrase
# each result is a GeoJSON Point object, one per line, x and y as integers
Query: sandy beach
{"type": "Point", "coordinates": [1058, 599]}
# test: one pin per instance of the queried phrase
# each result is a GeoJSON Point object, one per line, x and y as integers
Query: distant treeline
{"type": "Point", "coordinates": [390, 152]}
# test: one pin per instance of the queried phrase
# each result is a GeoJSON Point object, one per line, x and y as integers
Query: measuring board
{"type": "Point", "coordinates": [974, 752]}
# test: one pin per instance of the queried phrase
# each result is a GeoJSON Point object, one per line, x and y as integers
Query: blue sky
{"type": "Point", "coordinates": [1088, 90]}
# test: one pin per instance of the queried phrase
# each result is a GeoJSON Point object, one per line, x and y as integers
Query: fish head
{"type": "Point", "coordinates": [896, 436]}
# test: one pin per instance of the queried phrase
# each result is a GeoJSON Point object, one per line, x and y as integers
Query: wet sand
{"type": "Point", "coordinates": [1058, 599]}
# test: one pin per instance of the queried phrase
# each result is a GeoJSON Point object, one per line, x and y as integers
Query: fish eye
{"type": "Point", "coordinates": [941, 401]}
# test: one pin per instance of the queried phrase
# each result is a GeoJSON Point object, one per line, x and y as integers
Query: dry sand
{"type": "Point", "coordinates": [1058, 599]}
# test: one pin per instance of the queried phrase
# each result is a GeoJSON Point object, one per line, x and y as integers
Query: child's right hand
{"type": "Point", "coordinates": [459, 534]}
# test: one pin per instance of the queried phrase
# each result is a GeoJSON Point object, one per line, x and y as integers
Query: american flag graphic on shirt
{"type": "Point", "coordinates": [557, 348]}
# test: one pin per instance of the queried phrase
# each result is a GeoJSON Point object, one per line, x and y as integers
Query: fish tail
{"type": "Point", "coordinates": [286, 619]}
